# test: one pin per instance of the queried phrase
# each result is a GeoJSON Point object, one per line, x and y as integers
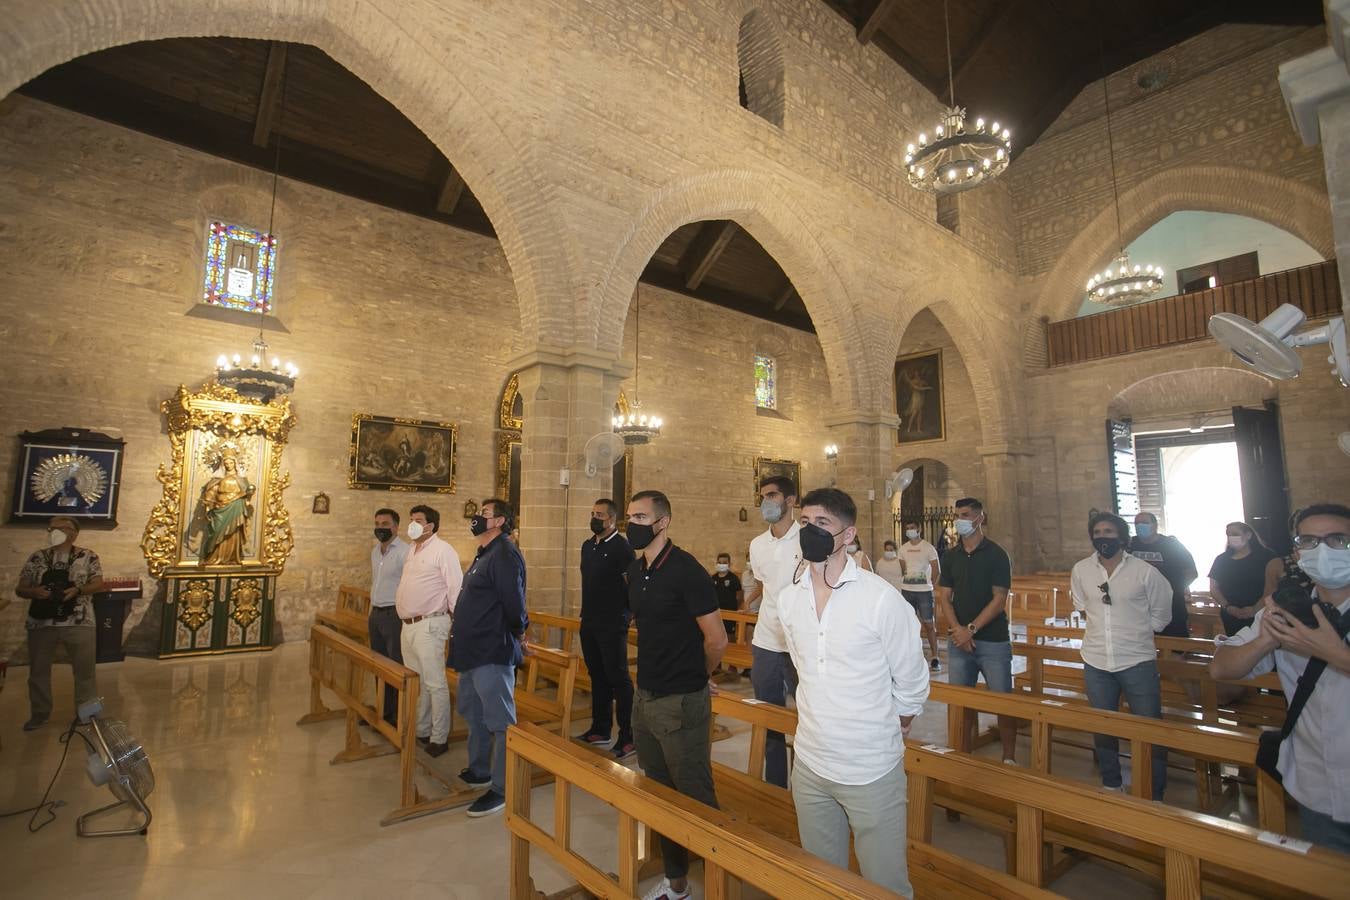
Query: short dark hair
{"type": "Point", "coordinates": [724, 553]}
{"type": "Point", "coordinates": [660, 502]}
{"type": "Point", "coordinates": [1338, 510]}
{"type": "Point", "coordinates": [786, 486]}
{"type": "Point", "coordinates": [835, 502]}
{"type": "Point", "coordinates": [888, 543]}
{"type": "Point", "coordinates": [969, 503]}
{"type": "Point", "coordinates": [501, 509]}
{"type": "Point", "coordinates": [1151, 517]}
{"type": "Point", "coordinates": [386, 511]}
{"type": "Point", "coordinates": [1122, 529]}
{"type": "Point", "coordinates": [433, 518]}
{"type": "Point", "coordinates": [609, 505]}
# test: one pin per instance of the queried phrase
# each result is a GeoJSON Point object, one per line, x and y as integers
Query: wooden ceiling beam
{"type": "Point", "coordinates": [869, 26]}
{"type": "Point", "coordinates": [785, 294]}
{"type": "Point", "coordinates": [269, 98]}
{"type": "Point", "coordinates": [667, 278]}
{"type": "Point", "coordinates": [452, 189]}
{"type": "Point", "coordinates": [991, 26]}
{"type": "Point", "coordinates": [712, 241]}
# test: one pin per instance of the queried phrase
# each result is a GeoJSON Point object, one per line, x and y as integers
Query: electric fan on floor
{"type": "Point", "coordinates": [118, 760]}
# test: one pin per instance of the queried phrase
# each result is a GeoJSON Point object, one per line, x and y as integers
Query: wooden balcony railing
{"type": "Point", "coordinates": [1182, 319]}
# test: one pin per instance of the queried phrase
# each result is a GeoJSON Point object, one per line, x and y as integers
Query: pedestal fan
{"type": "Point", "coordinates": [118, 760]}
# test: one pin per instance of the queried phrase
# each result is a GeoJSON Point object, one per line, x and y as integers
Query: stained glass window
{"type": "Point", "coordinates": [766, 382]}
{"type": "Point", "coordinates": [241, 264]}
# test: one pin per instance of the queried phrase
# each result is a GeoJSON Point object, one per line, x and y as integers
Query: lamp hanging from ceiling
{"type": "Point", "coordinates": [956, 159]}
{"type": "Point", "coordinates": [637, 427]}
{"type": "Point", "coordinates": [1121, 282]}
{"type": "Point", "coordinates": [263, 376]}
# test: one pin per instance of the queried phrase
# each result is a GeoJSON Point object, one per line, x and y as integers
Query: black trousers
{"type": "Point", "coordinates": [605, 652]}
{"type": "Point", "coordinates": [386, 638]}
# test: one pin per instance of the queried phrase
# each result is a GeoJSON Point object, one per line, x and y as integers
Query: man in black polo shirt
{"type": "Point", "coordinates": [605, 558]}
{"type": "Point", "coordinates": [680, 643]}
{"type": "Point", "coordinates": [972, 593]}
{"type": "Point", "coordinates": [489, 623]}
{"type": "Point", "coordinates": [1170, 557]}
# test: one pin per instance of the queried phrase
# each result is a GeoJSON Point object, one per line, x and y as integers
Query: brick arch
{"type": "Point", "coordinates": [1187, 391]}
{"type": "Point", "coordinates": [759, 56]}
{"type": "Point", "coordinates": [1290, 205]}
{"type": "Point", "coordinates": [967, 479]}
{"type": "Point", "coordinates": [439, 98]}
{"type": "Point", "coordinates": [759, 204]}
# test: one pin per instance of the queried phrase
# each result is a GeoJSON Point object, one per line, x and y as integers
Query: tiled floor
{"type": "Point", "coordinates": [246, 804]}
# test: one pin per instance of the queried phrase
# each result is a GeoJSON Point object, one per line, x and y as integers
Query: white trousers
{"type": "Point", "coordinates": [424, 653]}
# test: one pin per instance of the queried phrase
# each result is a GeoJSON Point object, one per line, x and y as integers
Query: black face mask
{"type": "Point", "coordinates": [1107, 547]}
{"type": "Point", "coordinates": [639, 536]}
{"type": "Point", "coordinates": [597, 526]}
{"type": "Point", "coordinates": [478, 525]}
{"type": "Point", "coordinates": [384, 535]}
{"type": "Point", "coordinates": [817, 543]}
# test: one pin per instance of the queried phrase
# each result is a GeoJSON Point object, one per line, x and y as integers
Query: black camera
{"type": "Point", "coordinates": [1296, 602]}
{"type": "Point", "coordinates": [57, 582]}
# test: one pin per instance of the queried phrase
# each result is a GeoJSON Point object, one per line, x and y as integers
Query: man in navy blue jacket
{"type": "Point", "coordinates": [485, 648]}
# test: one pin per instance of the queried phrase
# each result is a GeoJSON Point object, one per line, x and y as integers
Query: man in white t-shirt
{"type": "Point", "coordinates": [920, 561]}
{"type": "Point", "coordinates": [773, 558]}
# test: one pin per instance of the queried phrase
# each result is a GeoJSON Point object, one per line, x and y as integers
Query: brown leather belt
{"type": "Point", "coordinates": [415, 619]}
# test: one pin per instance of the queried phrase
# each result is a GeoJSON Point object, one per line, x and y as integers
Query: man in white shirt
{"type": "Point", "coordinates": [862, 681]}
{"type": "Point", "coordinates": [920, 560]}
{"type": "Point", "coordinates": [425, 599]}
{"type": "Point", "coordinates": [1314, 761]}
{"type": "Point", "coordinates": [384, 625]}
{"type": "Point", "coordinates": [773, 557]}
{"type": "Point", "coordinates": [1126, 601]}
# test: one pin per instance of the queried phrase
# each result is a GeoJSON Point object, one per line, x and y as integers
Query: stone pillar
{"type": "Point", "coordinates": [866, 442]}
{"type": "Point", "coordinates": [568, 397]}
{"type": "Point", "coordinates": [1007, 503]}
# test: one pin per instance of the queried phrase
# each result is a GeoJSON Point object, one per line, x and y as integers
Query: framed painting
{"type": "Point", "coordinates": [919, 399]}
{"type": "Point", "coordinates": [767, 468]}
{"type": "Point", "coordinates": [391, 454]}
{"type": "Point", "coordinates": [67, 472]}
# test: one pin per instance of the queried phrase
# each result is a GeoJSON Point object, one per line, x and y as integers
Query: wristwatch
{"type": "Point", "coordinates": [971, 627]}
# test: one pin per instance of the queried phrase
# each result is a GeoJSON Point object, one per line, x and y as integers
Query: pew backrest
{"type": "Point", "coordinates": [350, 614]}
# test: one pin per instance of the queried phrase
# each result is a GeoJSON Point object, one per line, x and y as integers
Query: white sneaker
{"type": "Point", "coordinates": [664, 891]}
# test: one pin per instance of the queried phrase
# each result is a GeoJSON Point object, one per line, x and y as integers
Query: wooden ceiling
{"type": "Point", "coordinates": [237, 99]}
{"type": "Point", "coordinates": [1023, 61]}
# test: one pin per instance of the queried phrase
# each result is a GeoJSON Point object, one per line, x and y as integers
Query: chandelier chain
{"type": "Point", "coordinates": [1110, 140]}
{"type": "Point", "coordinates": [947, 22]}
{"type": "Point", "coordinates": [637, 338]}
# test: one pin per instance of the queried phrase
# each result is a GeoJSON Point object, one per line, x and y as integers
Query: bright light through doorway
{"type": "Point", "coordinates": [1203, 491]}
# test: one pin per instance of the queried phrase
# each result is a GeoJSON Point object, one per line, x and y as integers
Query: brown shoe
{"type": "Point", "coordinates": [434, 749]}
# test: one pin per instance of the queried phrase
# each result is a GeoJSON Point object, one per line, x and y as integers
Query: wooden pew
{"type": "Point", "coordinates": [733, 851]}
{"type": "Point", "coordinates": [738, 653]}
{"type": "Point", "coordinates": [545, 627]}
{"type": "Point", "coordinates": [542, 665]}
{"type": "Point", "coordinates": [745, 792]}
{"type": "Point", "coordinates": [1198, 853]}
{"type": "Point", "coordinates": [350, 615]}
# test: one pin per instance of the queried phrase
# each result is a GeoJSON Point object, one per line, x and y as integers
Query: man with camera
{"type": "Point", "coordinates": [1302, 637]}
{"type": "Point", "coordinates": [58, 582]}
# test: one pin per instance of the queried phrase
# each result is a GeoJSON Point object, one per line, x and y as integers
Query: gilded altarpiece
{"type": "Point", "coordinates": [220, 534]}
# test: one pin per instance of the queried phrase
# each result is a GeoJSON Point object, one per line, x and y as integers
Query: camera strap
{"type": "Point", "coordinates": [1268, 751]}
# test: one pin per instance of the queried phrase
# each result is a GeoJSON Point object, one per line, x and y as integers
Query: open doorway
{"type": "Point", "coordinates": [1202, 492]}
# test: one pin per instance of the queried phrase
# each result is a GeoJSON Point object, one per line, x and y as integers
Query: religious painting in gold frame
{"type": "Point", "coordinates": [510, 422]}
{"type": "Point", "coordinates": [920, 399]}
{"type": "Point", "coordinates": [767, 468]}
{"type": "Point", "coordinates": [392, 454]}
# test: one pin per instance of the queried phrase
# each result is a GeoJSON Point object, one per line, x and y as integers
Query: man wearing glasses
{"type": "Point", "coordinates": [1314, 758]}
{"type": "Point", "coordinates": [1126, 600]}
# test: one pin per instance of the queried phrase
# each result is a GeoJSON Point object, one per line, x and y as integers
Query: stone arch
{"type": "Point", "coordinates": [759, 56]}
{"type": "Point", "coordinates": [757, 202]}
{"type": "Point", "coordinates": [441, 99]}
{"type": "Point", "coordinates": [1285, 203]}
{"type": "Point", "coordinates": [1188, 391]}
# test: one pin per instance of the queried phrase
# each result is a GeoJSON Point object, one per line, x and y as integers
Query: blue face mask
{"type": "Point", "coordinates": [1144, 529]}
{"type": "Point", "coordinates": [964, 527]}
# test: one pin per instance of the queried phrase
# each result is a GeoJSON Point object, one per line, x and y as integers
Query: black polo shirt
{"type": "Point", "coordinates": [666, 598]}
{"type": "Point", "coordinates": [727, 586]}
{"type": "Point", "coordinates": [972, 576]}
{"type": "Point", "coordinates": [604, 588]}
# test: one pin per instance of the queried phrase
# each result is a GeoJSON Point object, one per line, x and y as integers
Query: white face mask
{"type": "Point", "coordinates": [889, 554]}
{"type": "Point", "coordinates": [1237, 541]}
{"type": "Point", "coordinates": [415, 530]}
{"type": "Point", "coordinates": [1326, 567]}
{"type": "Point", "coordinates": [912, 534]}
{"type": "Point", "coordinates": [723, 568]}
{"type": "Point", "coordinates": [56, 537]}
{"type": "Point", "coordinates": [852, 548]}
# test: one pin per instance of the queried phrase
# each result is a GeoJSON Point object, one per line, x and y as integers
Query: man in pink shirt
{"type": "Point", "coordinates": [425, 599]}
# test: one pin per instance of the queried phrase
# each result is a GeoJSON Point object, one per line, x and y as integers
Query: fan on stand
{"type": "Point", "coordinates": [117, 759]}
{"type": "Point", "coordinates": [601, 452]}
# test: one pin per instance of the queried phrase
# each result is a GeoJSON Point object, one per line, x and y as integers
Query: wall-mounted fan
{"type": "Point", "coordinates": [602, 451]}
{"type": "Point", "coordinates": [1269, 346]}
{"type": "Point", "coordinates": [896, 484]}
{"type": "Point", "coordinates": [118, 760]}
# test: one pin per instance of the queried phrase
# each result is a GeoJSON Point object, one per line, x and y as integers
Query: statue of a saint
{"type": "Point", "coordinates": [224, 513]}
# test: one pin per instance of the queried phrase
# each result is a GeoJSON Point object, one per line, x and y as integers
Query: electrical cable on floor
{"type": "Point", "coordinates": [51, 806]}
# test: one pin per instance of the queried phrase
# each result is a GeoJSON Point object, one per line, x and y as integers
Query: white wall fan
{"type": "Point", "coordinates": [1269, 346]}
{"type": "Point", "coordinates": [601, 452]}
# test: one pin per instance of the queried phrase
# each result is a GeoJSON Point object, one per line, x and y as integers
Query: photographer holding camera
{"type": "Point", "coordinates": [1302, 637]}
{"type": "Point", "coordinates": [58, 582]}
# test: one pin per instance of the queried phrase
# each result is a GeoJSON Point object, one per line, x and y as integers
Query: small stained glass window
{"type": "Point", "coordinates": [241, 266]}
{"type": "Point", "coordinates": [766, 382]}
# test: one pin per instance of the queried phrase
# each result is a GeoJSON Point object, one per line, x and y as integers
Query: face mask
{"type": "Point", "coordinates": [384, 535]}
{"type": "Point", "coordinates": [1237, 541]}
{"type": "Point", "coordinates": [965, 527]}
{"type": "Point", "coordinates": [1144, 530]}
{"type": "Point", "coordinates": [817, 543]}
{"type": "Point", "coordinates": [723, 568]}
{"type": "Point", "coordinates": [416, 530]}
{"type": "Point", "coordinates": [912, 534]}
{"type": "Point", "coordinates": [1107, 547]}
{"type": "Point", "coordinates": [1326, 567]}
{"type": "Point", "coordinates": [56, 537]}
{"type": "Point", "coordinates": [852, 548]}
{"type": "Point", "coordinates": [478, 525]}
{"type": "Point", "coordinates": [597, 525]}
{"type": "Point", "coordinates": [639, 536]}
{"type": "Point", "coordinates": [770, 511]}
{"type": "Point", "coordinates": [889, 554]}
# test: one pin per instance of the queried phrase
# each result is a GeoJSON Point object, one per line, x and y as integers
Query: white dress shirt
{"type": "Point", "coordinates": [431, 579]}
{"type": "Point", "coordinates": [1315, 758]}
{"type": "Point", "coordinates": [1120, 634]}
{"type": "Point", "coordinates": [386, 568]}
{"type": "Point", "coordinates": [773, 561]}
{"type": "Point", "coordinates": [860, 667]}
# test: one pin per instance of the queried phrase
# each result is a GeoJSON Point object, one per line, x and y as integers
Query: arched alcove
{"type": "Point", "coordinates": [759, 57]}
{"type": "Point", "coordinates": [1187, 393]}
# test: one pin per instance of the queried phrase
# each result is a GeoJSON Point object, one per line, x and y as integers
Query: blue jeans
{"type": "Point", "coordinates": [1323, 830]}
{"type": "Point", "coordinates": [773, 677]}
{"type": "Point", "coordinates": [487, 701]}
{"type": "Point", "coordinates": [993, 659]}
{"type": "Point", "coordinates": [1143, 691]}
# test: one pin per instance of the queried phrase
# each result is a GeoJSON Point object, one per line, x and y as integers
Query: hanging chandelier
{"type": "Point", "coordinates": [957, 159]}
{"type": "Point", "coordinates": [637, 427]}
{"type": "Point", "coordinates": [1121, 283]}
{"type": "Point", "coordinates": [264, 377]}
